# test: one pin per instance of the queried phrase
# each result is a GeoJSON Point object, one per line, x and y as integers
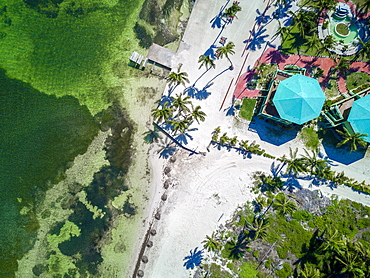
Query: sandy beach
{"type": "Point", "coordinates": [204, 190]}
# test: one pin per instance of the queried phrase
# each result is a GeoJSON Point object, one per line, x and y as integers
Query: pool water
{"type": "Point", "coordinates": [353, 32]}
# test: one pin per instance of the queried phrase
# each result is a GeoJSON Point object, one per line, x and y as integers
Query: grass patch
{"type": "Point", "coordinates": [310, 138]}
{"type": "Point", "coordinates": [290, 235]}
{"type": "Point", "coordinates": [356, 79]}
{"type": "Point", "coordinates": [215, 271]}
{"type": "Point", "coordinates": [246, 111]}
{"type": "Point", "coordinates": [285, 272]}
{"type": "Point", "coordinates": [248, 270]}
{"type": "Point", "coordinates": [331, 90]}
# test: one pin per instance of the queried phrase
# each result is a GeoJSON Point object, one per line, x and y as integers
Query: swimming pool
{"type": "Point", "coordinates": [352, 28]}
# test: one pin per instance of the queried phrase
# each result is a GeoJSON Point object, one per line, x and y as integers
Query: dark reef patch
{"type": "Point", "coordinates": [40, 135]}
{"type": "Point", "coordinates": [164, 29]}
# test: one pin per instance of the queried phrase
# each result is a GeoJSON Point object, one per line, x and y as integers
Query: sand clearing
{"type": "Point", "coordinates": [205, 190]}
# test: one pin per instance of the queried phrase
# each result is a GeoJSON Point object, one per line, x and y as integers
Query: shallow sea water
{"type": "Point", "coordinates": [56, 60]}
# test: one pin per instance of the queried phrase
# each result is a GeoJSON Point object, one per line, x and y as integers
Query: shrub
{"type": "Point", "coordinates": [366, 236]}
{"type": "Point", "coordinates": [285, 272]}
{"type": "Point", "coordinates": [248, 270]}
{"type": "Point", "coordinates": [282, 252]}
{"type": "Point", "coordinates": [301, 215]}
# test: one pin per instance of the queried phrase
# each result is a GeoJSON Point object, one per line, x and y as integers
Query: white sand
{"type": "Point", "coordinates": [208, 187]}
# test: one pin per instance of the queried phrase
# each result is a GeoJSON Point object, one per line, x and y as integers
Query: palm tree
{"type": "Point", "coordinates": [233, 141]}
{"type": "Point", "coordinates": [177, 78]}
{"type": "Point", "coordinates": [282, 31]}
{"type": "Point", "coordinates": [355, 140]}
{"type": "Point", "coordinates": [162, 114]}
{"type": "Point", "coordinates": [321, 5]}
{"type": "Point", "coordinates": [230, 13]}
{"type": "Point", "coordinates": [180, 126]}
{"type": "Point", "coordinates": [304, 21]}
{"type": "Point", "coordinates": [294, 164]}
{"type": "Point", "coordinates": [236, 247]}
{"type": "Point", "coordinates": [260, 202]}
{"type": "Point", "coordinates": [313, 42]}
{"type": "Point", "coordinates": [215, 133]}
{"type": "Point", "coordinates": [152, 135]}
{"type": "Point", "coordinates": [309, 271]}
{"type": "Point", "coordinates": [225, 51]}
{"type": "Point", "coordinates": [244, 146]}
{"type": "Point", "coordinates": [351, 264]}
{"type": "Point", "coordinates": [312, 163]}
{"type": "Point", "coordinates": [366, 6]}
{"type": "Point", "coordinates": [270, 183]}
{"type": "Point", "coordinates": [341, 66]}
{"type": "Point", "coordinates": [333, 242]}
{"type": "Point", "coordinates": [329, 42]}
{"type": "Point", "coordinates": [206, 60]}
{"type": "Point", "coordinates": [181, 104]}
{"type": "Point", "coordinates": [211, 243]}
{"type": "Point", "coordinates": [284, 205]}
{"type": "Point", "coordinates": [224, 139]}
{"type": "Point", "coordinates": [365, 48]}
{"type": "Point", "coordinates": [198, 115]}
{"type": "Point", "coordinates": [259, 228]}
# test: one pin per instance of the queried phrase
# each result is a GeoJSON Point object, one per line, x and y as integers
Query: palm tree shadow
{"type": "Point", "coordinates": [191, 91]}
{"type": "Point", "coordinates": [281, 10]}
{"type": "Point", "coordinates": [194, 259]}
{"type": "Point", "coordinates": [309, 250]}
{"type": "Point", "coordinates": [292, 183]}
{"type": "Point", "coordinates": [230, 111]}
{"type": "Point", "coordinates": [225, 70]}
{"type": "Point", "coordinates": [275, 56]}
{"type": "Point", "coordinates": [257, 39]}
{"type": "Point", "coordinates": [238, 248]}
{"type": "Point", "coordinates": [218, 19]}
{"type": "Point", "coordinates": [203, 93]}
{"type": "Point", "coordinates": [166, 125]}
{"type": "Point", "coordinates": [183, 137]}
{"type": "Point", "coordinates": [167, 149]}
{"type": "Point", "coordinates": [211, 52]}
{"type": "Point", "coordinates": [262, 18]}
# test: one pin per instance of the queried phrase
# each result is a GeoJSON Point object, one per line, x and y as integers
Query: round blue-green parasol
{"type": "Point", "coordinates": [359, 116]}
{"type": "Point", "coordinates": [299, 99]}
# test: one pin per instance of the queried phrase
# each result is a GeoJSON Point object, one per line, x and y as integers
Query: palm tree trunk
{"type": "Point", "coordinates": [174, 140]}
{"type": "Point", "coordinates": [200, 76]}
{"type": "Point", "coordinates": [231, 64]}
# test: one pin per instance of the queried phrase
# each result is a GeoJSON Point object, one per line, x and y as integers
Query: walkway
{"type": "Point", "coordinates": [272, 55]}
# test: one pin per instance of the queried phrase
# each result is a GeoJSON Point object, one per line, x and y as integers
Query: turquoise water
{"type": "Point", "coordinates": [353, 32]}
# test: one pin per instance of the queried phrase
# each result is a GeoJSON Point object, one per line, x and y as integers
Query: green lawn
{"type": "Point", "coordinates": [356, 79]}
{"type": "Point", "coordinates": [246, 111]}
{"type": "Point", "coordinates": [310, 138]}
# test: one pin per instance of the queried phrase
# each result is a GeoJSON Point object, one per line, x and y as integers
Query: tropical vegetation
{"type": "Point", "coordinates": [284, 234]}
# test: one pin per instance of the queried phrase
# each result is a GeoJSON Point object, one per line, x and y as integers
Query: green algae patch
{"type": "Point", "coordinates": [68, 230]}
{"type": "Point", "coordinates": [97, 212]}
{"type": "Point", "coordinates": [59, 264]}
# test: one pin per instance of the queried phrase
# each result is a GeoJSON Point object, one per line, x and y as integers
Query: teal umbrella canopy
{"type": "Point", "coordinates": [359, 117]}
{"type": "Point", "coordinates": [299, 99]}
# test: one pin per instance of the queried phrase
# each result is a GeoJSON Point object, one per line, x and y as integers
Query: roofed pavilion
{"type": "Point", "coordinates": [292, 98]}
